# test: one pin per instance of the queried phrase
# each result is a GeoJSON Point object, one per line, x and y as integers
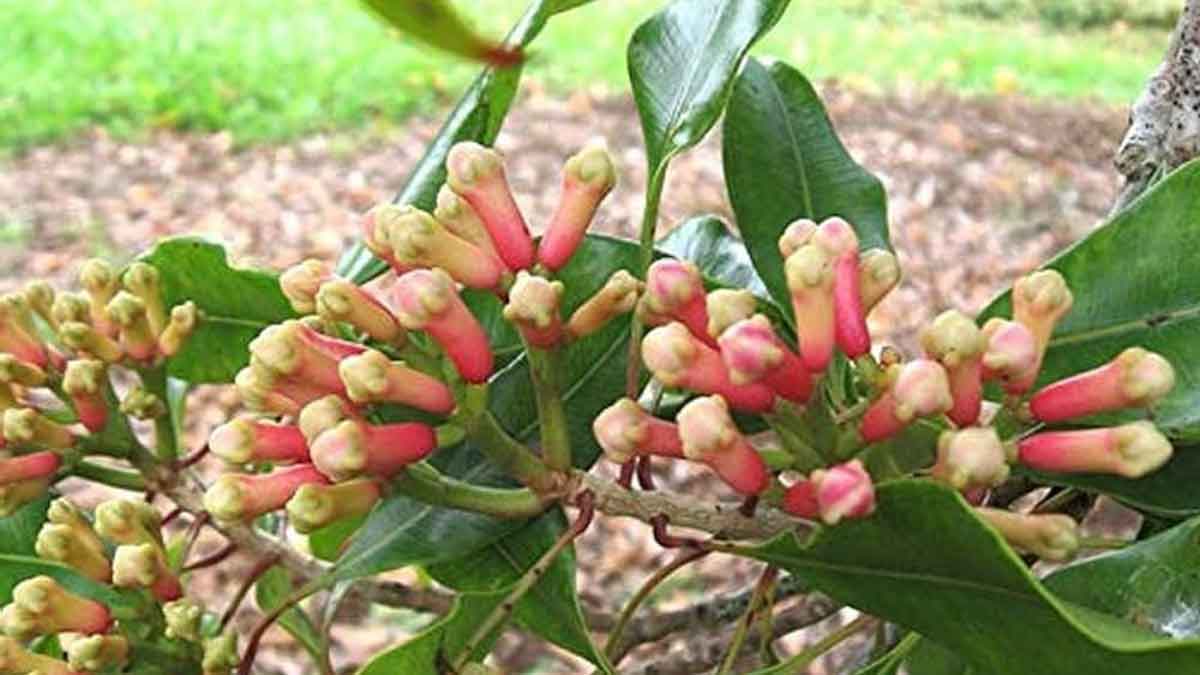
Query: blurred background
{"type": "Point", "coordinates": [271, 125]}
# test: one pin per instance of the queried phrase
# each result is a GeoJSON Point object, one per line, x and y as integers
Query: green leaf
{"type": "Point", "coordinates": [326, 543]}
{"type": "Point", "coordinates": [1136, 283]}
{"type": "Point", "coordinates": [477, 117]}
{"type": "Point", "coordinates": [783, 161]}
{"type": "Point", "coordinates": [551, 608]}
{"type": "Point", "coordinates": [270, 591]}
{"type": "Point", "coordinates": [682, 62]}
{"type": "Point", "coordinates": [235, 304]}
{"type": "Point", "coordinates": [19, 532]}
{"type": "Point", "coordinates": [721, 256]}
{"type": "Point", "coordinates": [426, 653]}
{"type": "Point", "coordinates": [924, 561]}
{"type": "Point", "coordinates": [890, 663]}
{"type": "Point", "coordinates": [17, 568]}
{"type": "Point", "coordinates": [437, 23]}
{"type": "Point", "coordinates": [929, 658]}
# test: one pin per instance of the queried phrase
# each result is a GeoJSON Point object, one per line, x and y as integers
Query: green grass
{"type": "Point", "coordinates": [270, 69]}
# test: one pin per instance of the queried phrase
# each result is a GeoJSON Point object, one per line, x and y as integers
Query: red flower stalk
{"type": "Point", "coordinates": [341, 300]}
{"type": "Point", "coordinates": [16, 371]}
{"type": "Point", "coordinates": [587, 178]}
{"type": "Point", "coordinates": [477, 174]}
{"type": "Point", "coordinates": [142, 280]}
{"type": "Point", "coordinates": [373, 377]}
{"type": "Point", "coordinates": [1135, 379]}
{"type": "Point", "coordinates": [1130, 450]}
{"type": "Point", "coordinates": [180, 326]}
{"type": "Point", "coordinates": [427, 300]}
{"type": "Point", "coordinates": [315, 506]}
{"type": "Point", "coordinates": [25, 467]}
{"type": "Point", "coordinates": [624, 431]}
{"type": "Point", "coordinates": [86, 339]}
{"type": "Point", "coordinates": [100, 283]}
{"type": "Point", "coordinates": [956, 342]}
{"type": "Point", "coordinates": [143, 566]}
{"type": "Point", "coordinates": [244, 497]}
{"type": "Point", "coordinates": [41, 606]}
{"type": "Point", "coordinates": [618, 296]}
{"type": "Point", "coordinates": [878, 274]}
{"type": "Point", "coordinates": [323, 414]}
{"type": "Point", "coordinates": [248, 440]}
{"type": "Point", "coordinates": [308, 359]}
{"type": "Point", "coordinates": [708, 435]}
{"type": "Point", "coordinates": [533, 306]}
{"type": "Point", "coordinates": [970, 459]}
{"type": "Point", "coordinates": [838, 239]}
{"type": "Point", "coordinates": [810, 280]}
{"type": "Point", "coordinates": [1011, 355]}
{"type": "Point", "coordinates": [753, 353]}
{"type": "Point", "coordinates": [1039, 301]}
{"type": "Point", "coordinates": [843, 491]}
{"type": "Point", "coordinates": [301, 281]}
{"type": "Point", "coordinates": [920, 389]}
{"type": "Point", "coordinates": [1051, 536]}
{"type": "Point", "coordinates": [458, 217]}
{"type": "Point", "coordinates": [675, 292]}
{"type": "Point", "coordinates": [28, 427]}
{"type": "Point", "coordinates": [797, 234]}
{"type": "Point", "coordinates": [679, 359]}
{"type": "Point", "coordinates": [418, 240]}
{"type": "Point", "coordinates": [84, 382]}
{"type": "Point", "coordinates": [727, 306]}
{"type": "Point", "coordinates": [353, 448]}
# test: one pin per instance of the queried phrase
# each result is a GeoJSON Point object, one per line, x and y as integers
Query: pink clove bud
{"type": "Point", "coordinates": [800, 500]}
{"type": "Point", "coordinates": [427, 300]}
{"type": "Point", "coordinates": [675, 292]}
{"type": "Point", "coordinates": [243, 497]}
{"type": "Point", "coordinates": [679, 359]}
{"type": "Point", "coordinates": [16, 659]}
{"type": "Point", "coordinates": [587, 178]}
{"type": "Point", "coordinates": [306, 359]}
{"type": "Point", "coordinates": [324, 413]}
{"type": "Point", "coordinates": [458, 217]}
{"type": "Point", "coordinates": [618, 296]}
{"type": "Point", "coordinates": [840, 242]}
{"type": "Point", "coordinates": [624, 431]}
{"type": "Point", "coordinates": [1135, 379]}
{"type": "Point", "coordinates": [18, 372]}
{"type": "Point", "coordinates": [143, 566]}
{"type": "Point", "coordinates": [797, 234]}
{"type": "Point", "coordinates": [17, 335]}
{"type": "Point", "coordinates": [41, 606]}
{"type": "Point", "coordinates": [42, 464]}
{"type": "Point", "coordinates": [727, 306]}
{"type": "Point", "coordinates": [246, 440]}
{"type": "Point", "coordinates": [810, 279]}
{"type": "Point", "coordinates": [753, 353]}
{"type": "Point", "coordinates": [956, 342]}
{"type": "Point", "coordinates": [1130, 450]}
{"type": "Point", "coordinates": [95, 653]}
{"type": "Point", "coordinates": [1011, 355]}
{"type": "Point", "coordinates": [353, 448]}
{"type": "Point", "coordinates": [40, 296]}
{"type": "Point", "coordinates": [68, 538]}
{"type": "Point", "coordinates": [85, 382]}
{"type": "Point", "coordinates": [878, 274]}
{"type": "Point", "coordinates": [533, 306]}
{"type": "Point", "coordinates": [256, 387]}
{"type": "Point", "coordinates": [417, 240]}
{"type": "Point", "coordinates": [301, 281]}
{"type": "Point", "coordinates": [315, 506]}
{"type": "Point", "coordinates": [843, 491]}
{"type": "Point", "coordinates": [476, 174]}
{"type": "Point", "coordinates": [1051, 536]}
{"type": "Point", "coordinates": [921, 389]}
{"type": "Point", "coordinates": [28, 427]}
{"type": "Point", "coordinates": [970, 459]}
{"type": "Point", "coordinates": [373, 377]}
{"type": "Point", "coordinates": [142, 280]}
{"type": "Point", "coordinates": [708, 435]}
{"type": "Point", "coordinates": [128, 521]}
{"type": "Point", "coordinates": [129, 314]}
{"type": "Point", "coordinates": [341, 300]}
{"type": "Point", "coordinates": [1039, 301]}
{"type": "Point", "coordinates": [85, 339]}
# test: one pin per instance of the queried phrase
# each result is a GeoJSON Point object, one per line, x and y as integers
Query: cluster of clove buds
{"type": "Point", "coordinates": [406, 339]}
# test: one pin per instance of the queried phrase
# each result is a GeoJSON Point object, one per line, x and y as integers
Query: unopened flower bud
{"type": "Point", "coordinates": [956, 342]}
{"type": "Point", "coordinates": [878, 274]}
{"type": "Point", "coordinates": [246, 440]}
{"type": "Point", "coordinates": [920, 389]}
{"type": "Point", "coordinates": [533, 306]}
{"type": "Point", "coordinates": [842, 491]}
{"type": "Point", "coordinates": [180, 326]}
{"type": "Point", "coordinates": [709, 435]}
{"type": "Point", "coordinates": [16, 660]}
{"type": "Point", "coordinates": [797, 234]}
{"type": "Point", "coordinates": [1135, 379]}
{"type": "Point", "coordinates": [1039, 301]}
{"type": "Point", "coordinates": [243, 497]}
{"type": "Point", "coordinates": [840, 242]}
{"type": "Point", "coordinates": [141, 404]}
{"type": "Point", "coordinates": [301, 281]}
{"type": "Point", "coordinates": [1130, 450]}
{"type": "Point", "coordinates": [100, 283]}
{"type": "Point", "coordinates": [183, 618]}
{"type": "Point", "coordinates": [305, 359]}
{"type": "Point", "coordinates": [220, 654]}
{"type": "Point", "coordinates": [354, 448]}
{"type": "Point", "coordinates": [679, 359]}
{"type": "Point", "coordinates": [753, 353]}
{"type": "Point", "coordinates": [324, 413]}
{"type": "Point", "coordinates": [13, 496]}
{"type": "Point", "coordinates": [341, 300]}
{"type": "Point", "coordinates": [98, 652]}
{"type": "Point", "coordinates": [810, 279]}
{"type": "Point", "coordinates": [68, 538]}
{"type": "Point", "coordinates": [28, 427]}
{"type": "Point", "coordinates": [675, 292]}
{"type": "Point", "coordinates": [40, 295]}
{"type": "Point", "coordinates": [418, 240]}
{"type": "Point", "coordinates": [971, 458]}
{"type": "Point", "coordinates": [373, 377]}
{"type": "Point", "coordinates": [427, 300]}
{"type": "Point", "coordinates": [477, 174]}
{"type": "Point", "coordinates": [315, 506]}
{"type": "Point", "coordinates": [618, 296]}
{"type": "Point", "coordinates": [1051, 536]}
{"type": "Point", "coordinates": [624, 431]}
{"type": "Point", "coordinates": [18, 336]}
{"type": "Point", "coordinates": [256, 386]}
{"type": "Point", "coordinates": [1011, 355]}
{"type": "Point", "coordinates": [727, 306]}
{"type": "Point", "coordinates": [85, 383]}
{"type": "Point", "coordinates": [86, 339]}
{"type": "Point", "coordinates": [142, 280]}
{"type": "Point", "coordinates": [41, 464]}
{"type": "Point", "coordinates": [40, 606]}
{"type": "Point", "coordinates": [457, 216]}
{"type": "Point", "coordinates": [129, 521]}
{"type": "Point", "coordinates": [142, 566]}
{"type": "Point", "coordinates": [70, 307]}
{"type": "Point", "coordinates": [587, 178]}
{"type": "Point", "coordinates": [16, 371]}
{"type": "Point", "coordinates": [800, 500]}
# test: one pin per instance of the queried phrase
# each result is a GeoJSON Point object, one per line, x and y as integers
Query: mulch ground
{"type": "Point", "coordinates": [979, 191]}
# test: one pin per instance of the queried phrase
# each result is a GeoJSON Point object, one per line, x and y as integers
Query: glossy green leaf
{"type": "Point", "coordinates": [551, 608]}
{"type": "Point", "coordinates": [721, 256]}
{"type": "Point", "coordinates": [929, 658]}
{"type": "Point", "coordinates": [428, 652]}
{"type": "Point", "coordinates": [437, 23]}
{"type": "Point", "coordinates": [783, 161]}
{"type": "Point", "coordinates": [1137, 283]}
{"type": "Point", "coordinates": [477, 117]}
{"type": "Point", "coordinates": [925, 562]}
{"type": "Point", "coordinates": [270, 591]}
{"type": "Point", "coordinates": [19, 531]}
{"type": "Point", "coordinates": [235, 304]}
{"type": "Point", "coordinates": [326, 543]}
{"type": "Point", "coordinates": [890, 663]}
{"type": "Point", "coordinates": [16, 568]}
{"type": "Point", "coordinates": [682, 62]}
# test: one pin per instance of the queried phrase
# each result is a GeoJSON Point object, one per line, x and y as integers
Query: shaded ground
{"type": "Point", "coordinates": [979, 191]}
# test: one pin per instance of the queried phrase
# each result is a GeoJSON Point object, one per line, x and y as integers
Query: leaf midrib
{"type": "Point", "coordinates": [1171, 317]}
